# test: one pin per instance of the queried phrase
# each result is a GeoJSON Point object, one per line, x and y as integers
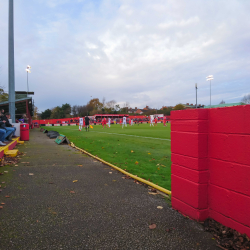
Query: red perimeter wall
{"type": "Point", "coordinates": [211, 165]}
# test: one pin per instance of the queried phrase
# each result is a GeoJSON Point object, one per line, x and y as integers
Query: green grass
{"type": "Point", "coordinates": [150, 159]}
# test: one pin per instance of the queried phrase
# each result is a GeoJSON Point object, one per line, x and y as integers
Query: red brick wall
{"type": "Point", "coordinates": [211, 165]}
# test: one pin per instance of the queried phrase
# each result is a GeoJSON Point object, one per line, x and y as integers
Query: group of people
{"type": "Point", "coordinates": [123, 122]}
{"type": "Point", "coordinates": [153, 121]}
{"type": "Point", "coordinates": [84, 122]}
{"type": "Point", "coordinates": [7, 130]}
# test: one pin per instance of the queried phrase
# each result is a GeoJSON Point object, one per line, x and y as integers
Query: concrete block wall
{"type": "Point", "coordinates": [211, 165]}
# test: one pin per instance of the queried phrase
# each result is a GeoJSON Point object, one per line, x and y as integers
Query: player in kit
{"type": "Point", "coordinates": [109, 121]}
{"type": "Point", "coordinates": [120, 122]}
{"type": "Point", "coordinates": [132, 122]}
{"type": "Point", "coordinates": [164, 121]}
{"type": "Point", "coordinates": [155, 120]}
{"type": "Point", "coordinates": [124, 121]}
{"type": "Point", "coordinates": [87, 123]}
{"type": "Point", "coordinates": [151, 121]}
{"type": "Point", "coordinates": [80, 123]}
{"type": "Point", "coordinates": [104, 122]}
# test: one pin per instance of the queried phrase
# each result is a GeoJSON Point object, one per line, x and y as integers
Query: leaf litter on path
{"type": "Point", "coordinates": [152, 226]}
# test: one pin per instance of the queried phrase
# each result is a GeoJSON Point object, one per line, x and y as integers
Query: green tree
{"type": "Point", "coordinates": [179, 107]}
{"type": "Point", "coordinates": [35, 113]}
{"type": "Point", "coordinates": [166, 111]}
{"type": "Point", "coordinates": [46, 114]}
{"type": "Point", "coordinates": [57, 113]}
{"type": "Point", "coordinates": [3, 96]}
{"type": "Point", "coordinates": [66, 109]}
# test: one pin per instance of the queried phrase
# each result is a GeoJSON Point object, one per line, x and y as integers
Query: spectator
{"type": "Point", "coordinates": [24, 119]}
{"type": "Point", "coordinates": [7, 123]}
{"type": "Point", "coordinates": [6, 132]}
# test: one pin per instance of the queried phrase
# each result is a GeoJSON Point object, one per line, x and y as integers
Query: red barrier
{"type": "Point", "coordinates": [211, 165]}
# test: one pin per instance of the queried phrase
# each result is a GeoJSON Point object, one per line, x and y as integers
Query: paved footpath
{"type": "Point", "coordinates": [104, 211]}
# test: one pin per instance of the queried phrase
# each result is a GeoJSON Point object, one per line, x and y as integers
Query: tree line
{"type": "Point", "coordinates": [95, 106]}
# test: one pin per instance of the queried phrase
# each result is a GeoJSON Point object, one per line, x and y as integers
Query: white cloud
{"type": "Point", "coordinates": [143, 52]}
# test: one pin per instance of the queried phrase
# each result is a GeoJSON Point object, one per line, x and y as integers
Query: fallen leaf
{"type": "Point", "coordinates": [136, 162]}
{"type": "Point", "coordinates": [7, 196]}
{"type": "Point", "coordinates": [132, 151]}
{"type": "Point", "coordinates": [152, 193]}
{"type": "Point", "coordinates": [2, 203]}
{"type": "Point", "coordinates": [149, 153]}
{"type": "Point", "coordinates": [75, 181]}
{"type": "Point", "coordinates": [110, 172]}
{"type": "Point", "coordinates": [1, 207]}
{"type": "Point", "coordinates": [79, 165]}
{"type": "Point", "coordinates": [3, 181]}
{"type": "Point", "coordinates": [160, 207]}
{"type": "Point", "coordinates": [51, 182]}
{"type": "Point", "coordinates": [72, 192]}
{"type": "Point", "coordinates": [6, 172]}
{"type": "Point", "coordinates": [31, 174]}
{"type": "Point", "coordinates": [152, 226]}
{"type": "Point", "coordinates": [114, 180]}
{"type": "Point", "coordinates": [158, 168]}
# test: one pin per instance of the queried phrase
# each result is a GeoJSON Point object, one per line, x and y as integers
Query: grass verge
{"type": "Point", "coordinates": [141, 150]}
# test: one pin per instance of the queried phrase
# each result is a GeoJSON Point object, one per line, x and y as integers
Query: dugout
{"type": "Point", "coordinates": [23, 103]}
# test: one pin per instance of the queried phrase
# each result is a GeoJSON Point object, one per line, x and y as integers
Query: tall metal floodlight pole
{"type": "Point", "coordinates": [196, 93]}
{"type": "Point", "coordinates": [11, 62]}
{"type": "Point", "coordinates": [210, 78]}
{"type": "Point", "coordinates": [28, 71]}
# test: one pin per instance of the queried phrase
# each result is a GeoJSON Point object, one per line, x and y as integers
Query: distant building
{"type": "Point", "coordinates": [192, 106]}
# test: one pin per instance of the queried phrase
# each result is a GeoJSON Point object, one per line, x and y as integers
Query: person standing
{"type": "Point", "coordinates": [80, 123]}
{"type": "Point", "coordinates": [164, 121]}
{"type": "Point", "coordinates": [151, 121]}
{"type": "Point", "coordinates": [155, 120]}
{"type": "Point", "coordinates": [124, 121]}
{"type": "Point", "coordinates": [87, 123]}
{"type": "Point", "coordinates": [109, 121]}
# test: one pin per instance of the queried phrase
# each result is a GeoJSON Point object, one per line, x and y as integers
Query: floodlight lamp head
{"type": "Point", "coordinates": [28, 67]}
{"type": "Point", "coordinates": [209, 78]}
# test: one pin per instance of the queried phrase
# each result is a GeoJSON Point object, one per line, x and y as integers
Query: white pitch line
{"type": "Point", "coordinates": [133, 136]}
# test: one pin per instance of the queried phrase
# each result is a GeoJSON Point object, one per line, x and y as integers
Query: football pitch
{"type": "Point", "coordinates": [140, 149]}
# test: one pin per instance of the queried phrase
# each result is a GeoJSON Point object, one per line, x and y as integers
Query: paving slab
{"type": "Point", "coordinates": [47, 210]}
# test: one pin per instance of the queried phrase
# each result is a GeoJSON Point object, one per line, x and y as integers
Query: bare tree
{"type": "Point", "coordinates": [246, 99]}
{"type": "Point", "coordinates": [103, 101]}
{"type": "Point", "coordinates": [222, 102]}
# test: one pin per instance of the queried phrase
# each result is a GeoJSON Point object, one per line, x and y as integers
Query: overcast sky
{"type": "Point", "coordinates": [139, 51]}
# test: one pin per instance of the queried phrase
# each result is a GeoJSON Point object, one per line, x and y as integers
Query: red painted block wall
{"type": "Point", "coordinates": [211, 165]}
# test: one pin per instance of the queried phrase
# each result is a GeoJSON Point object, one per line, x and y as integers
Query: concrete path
{"type": "Point", "coordinates": [47, 210]}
